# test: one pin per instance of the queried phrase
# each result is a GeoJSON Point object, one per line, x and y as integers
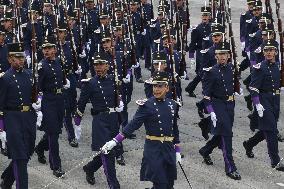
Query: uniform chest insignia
{"type": "Point", "coordinates": [207, 69]}
{"type": "Point", "coordinates": [249, 21]}
{"type": "Point", "coordinates": [85, 80]}
{"type": "Point", "coordinates": [258, 50]}
{"type": "Point", "coordinates": [206, 38]}
{"type": "Point", "coordinates": [257, 66]}
{"type": "Point", "coordinates": [141, 102]}
{"type": "Point", "coordinates": [204, 51]}
{"type": "Point", "coordinates": [97, 31]}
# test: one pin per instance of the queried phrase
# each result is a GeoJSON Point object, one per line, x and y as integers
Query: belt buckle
{"type": "Point", "coordinates": [231, 98]}
{"type": "Point", "coordinates": [25, 108]}
{"type": "Point", "coordinates": [277, 92]}
{"type": "Point", "coordinates": [58, 91]}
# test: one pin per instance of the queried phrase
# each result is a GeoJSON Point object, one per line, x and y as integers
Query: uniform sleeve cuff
{"type": "Point", "coordinates": [119, 138]}
{"type": "Point", "coordinates": [252, 63]}
{"type": "Point", "coordinates": [129, 71]}
{"type": "Point", "coordinates": [243, 39]}
{"type": "Point", "coordinates": [177, 148]}
{"type": "Point", "coordinates": [209, 108]}
{"type": "Point", "coordinates": [191, 55]}
{"type": "Point", "coordinates": [255, 100]}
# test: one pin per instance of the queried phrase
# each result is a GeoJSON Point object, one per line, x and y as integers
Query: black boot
{"type": "Point", "coordinates": [205, 128]}
{"type": "Point", "coordinates": [206, 158]}
{"type": "Point", "coordinates": [4, 151]}
{"type": "Point", "coordinates": [280, 138]}
{"type": "Point", "coordinates": [58, 173]}
{"type": "Point", "coordinates": [4, 186]}
{"type": "Point", "coordinates": [89, 176]}
{"type": "Point", "coordinates": [249, 102]}
{"type": "Point", "coordinates": [234, 175]}
{"type": "Point", "coordinates": [249, 152]}
{"type": "Point", "coordinates": [73, 143]}
{"type": "Point", "coordinates": [40, 156]}
{"type": "Point", "coordinates": [199, 109]}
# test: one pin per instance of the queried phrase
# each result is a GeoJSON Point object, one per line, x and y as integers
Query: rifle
{"type": "Point", "coordinates": [172, 64]}
{"type": "Point", "coordinates": [34, 62]}
{"type": "Point", "coordinates": [281, 33]}
{"type": "Point", "coordinates": [187, 17]}
{"type": "Point", "coordinates": [268, 8]}
{"type": "Point", "coordinates": [237, 85]}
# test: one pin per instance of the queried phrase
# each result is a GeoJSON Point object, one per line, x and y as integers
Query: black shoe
{"type": "Point", "coordinates": [204, 128]}
{"type": "Point", "coordinates": [120, 160]}
{"type": "Point", "coordinates": [206, 158]}
{"type": "Point", "coordinates": [89, 176]}
{"type": "Point", "coordinates": [140, 80]}
{"type": "Point", "coordinates": [199, 109]}
{"type": "Point", "coordinates": [191, 94]}
{"type": "Point", "coordinates": [3, 186]}
{"type": "Point", "coordinates": [73, 143]}
{"type": "Point", "coordinates": [40, 156]}
{"type": "Point", "coordinates": [181, 155]}
{"type": "Point", "coordinates": [280, 138]}
{"type": "Point", "coordinates": [132, 136]}
{"type": "Point", "coordinates": [234, 175]}
{"type": "Point", "coordinates": [249, 152]}
{"type": "Point", "coordinates": [4, 151]}
{"type": "Point", "coordinates": [58, 173]}
{"type": "Point", "coordinates": [249, 102]}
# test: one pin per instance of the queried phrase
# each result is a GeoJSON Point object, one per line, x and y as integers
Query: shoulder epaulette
{"type": "Point", "coordinates": [204, 51]}
{"type": "Point", "coordinates": [24, 25]}
{"type": "Point", "coordinates": [149, 81]}
{"type": "Point", "coordinates": [207, 69]}
{"type": "Point", "coordinates": [2, 74]}
{"type": "Point", "coordinates": [85, 80]}
{"type": "Point", "coordinates": [243, 14]}
{"type": "Point", "coordinates": [206, 38]}
{"type": "Point", "coordinates": [141, 102]}
{"type": "Point", "coordinates": [249, 21]}
{"type": "Point", "coordinates": [257, 66]}
{"type": "Point", "coordinates": [97, 31]}
{"type": "Point", "coordinates": [258, 50]}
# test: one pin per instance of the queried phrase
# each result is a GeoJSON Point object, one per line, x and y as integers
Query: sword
{"type": "Point", "coordinates": [184, 175]}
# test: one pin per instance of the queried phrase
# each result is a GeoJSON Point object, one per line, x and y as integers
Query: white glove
{"type": "Point", "coordinates": [36, 106]}
{"type": "Point", "coordinates": [77, 131]}
{"type": "Point", "coordinates": [83, 54]}
{"type": "Point", "coordinates": [241, 92]}
{"type": "Point", "coordinates": [282, 89]}
{"type": "Point", "coordinates": [108, 146]}
{"type": "Point", "coordinates": [38, 118]}
{"type": "Point", "coordinates": [178, 157]}
{"type": "Point", "coordinates": [88, 46]}
{"type": "Point", "coordinates": [243, 46]}
{"type": "Point", "coordinates": [213, 118]}
{"type": "Point", "coordinates": [29, 60]}
{"type": "Point", "coordinates": [120, 107]}
{"type": "Point", "coordinates": [183, 77]}
{"type": "Point", "coordinates": [191, 62]}
{"type": "Point", "coordinates": [79, 70]}
{"type": "Point", "coordinates": [3, 138]}
{"type": "Point", "coordinates": [248, 53]}
{"type": "Point", "coordinates": [178, 101]}
{"type": "Point", "coordinates": [135, 66]}
{"type": "Point", "coordinates": [67, 86]}
{"type": "Point", "coordinates": [260, 110]}
{"type": "Point", "coordinates": [126, 79]}
{"type": "Point", "coordinates": [144, 32]}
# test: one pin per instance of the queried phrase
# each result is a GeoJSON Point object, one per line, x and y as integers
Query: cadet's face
{"type": "Point", "coordinates": [250, 6]}
{"type": "Point", "coordinates": [62, 35]}
{"type": "Point", "coordinates": [118, 33]}
{"type": "Point", "coordinates": [2, 39]}
{"type": "Point", "coordinates": [8, 25]}
{"type": "Point", "coordinates": [160, 90]}
{"type": "Point", "coordinates": [104, 21]}
{"type": "Point", "coordinates": [49, 52]}
{"type": "Point", "coordinates": [101, 69]}
{"type": "Point", "coordinates": [133, 7]}
{"type": "Point", "coordinates": [270, 54]}
{"type": "Point", "coordinates": [216, 38]}
{"type": "Point", "coordinates": [160, 67]}
{"type": "Point", "coordinates": [257, 12]}
{"type": "Point", "coordinates": [222, 58]}
{"type": "Point", "coordinates": [179, 3]}
{"type": "Point", "coordinates": [19, 3]}
{"type": "Point", "coordinates": [106, 44]}
{"type": "Point", "coordinates": [118, 14]}
{"type": "Point", "coordinates": [90, 5]}
{"type": "Point", "coordinates": [47, 8]}
{"type": "Point", "coordinates": [71, 22]}
{"type": "Point", "coordinates": [17, 62]}
{"type": "Point", "coordinates": [205, 18]}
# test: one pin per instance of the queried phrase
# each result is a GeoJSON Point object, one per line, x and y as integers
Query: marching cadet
{"type": "Point", "coordinates": [218, 90]}
{"type": "Point", "coordinates": [265, 92]}
{"type": "Point", "coordinates": [102, 92]}
{"type": "Point", "coordinates": [17, 118]}
{"type": "Point", "coordinates": [161, 149]}
{"type": "Point", "coordinates": [198, 34]}
{"type": "Point", "coordinates": [51, 83]}
{"type": "Point", "coordinates": [4, 66]}
{"type": "Point", "coordinates": [147, 15]}
{"type": "Point", "coordinates": [48, 17]}
{"type": "Point", "coordinates": [70, 95]}
{"type": "Point", "coordinates": [7, 22]}
{"type": "Point", "coordinates": [136, 24]}
{"type": "Point", "coordinates": [33, 27]}
{"type": "Point", "coordinates": [22, 12]}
